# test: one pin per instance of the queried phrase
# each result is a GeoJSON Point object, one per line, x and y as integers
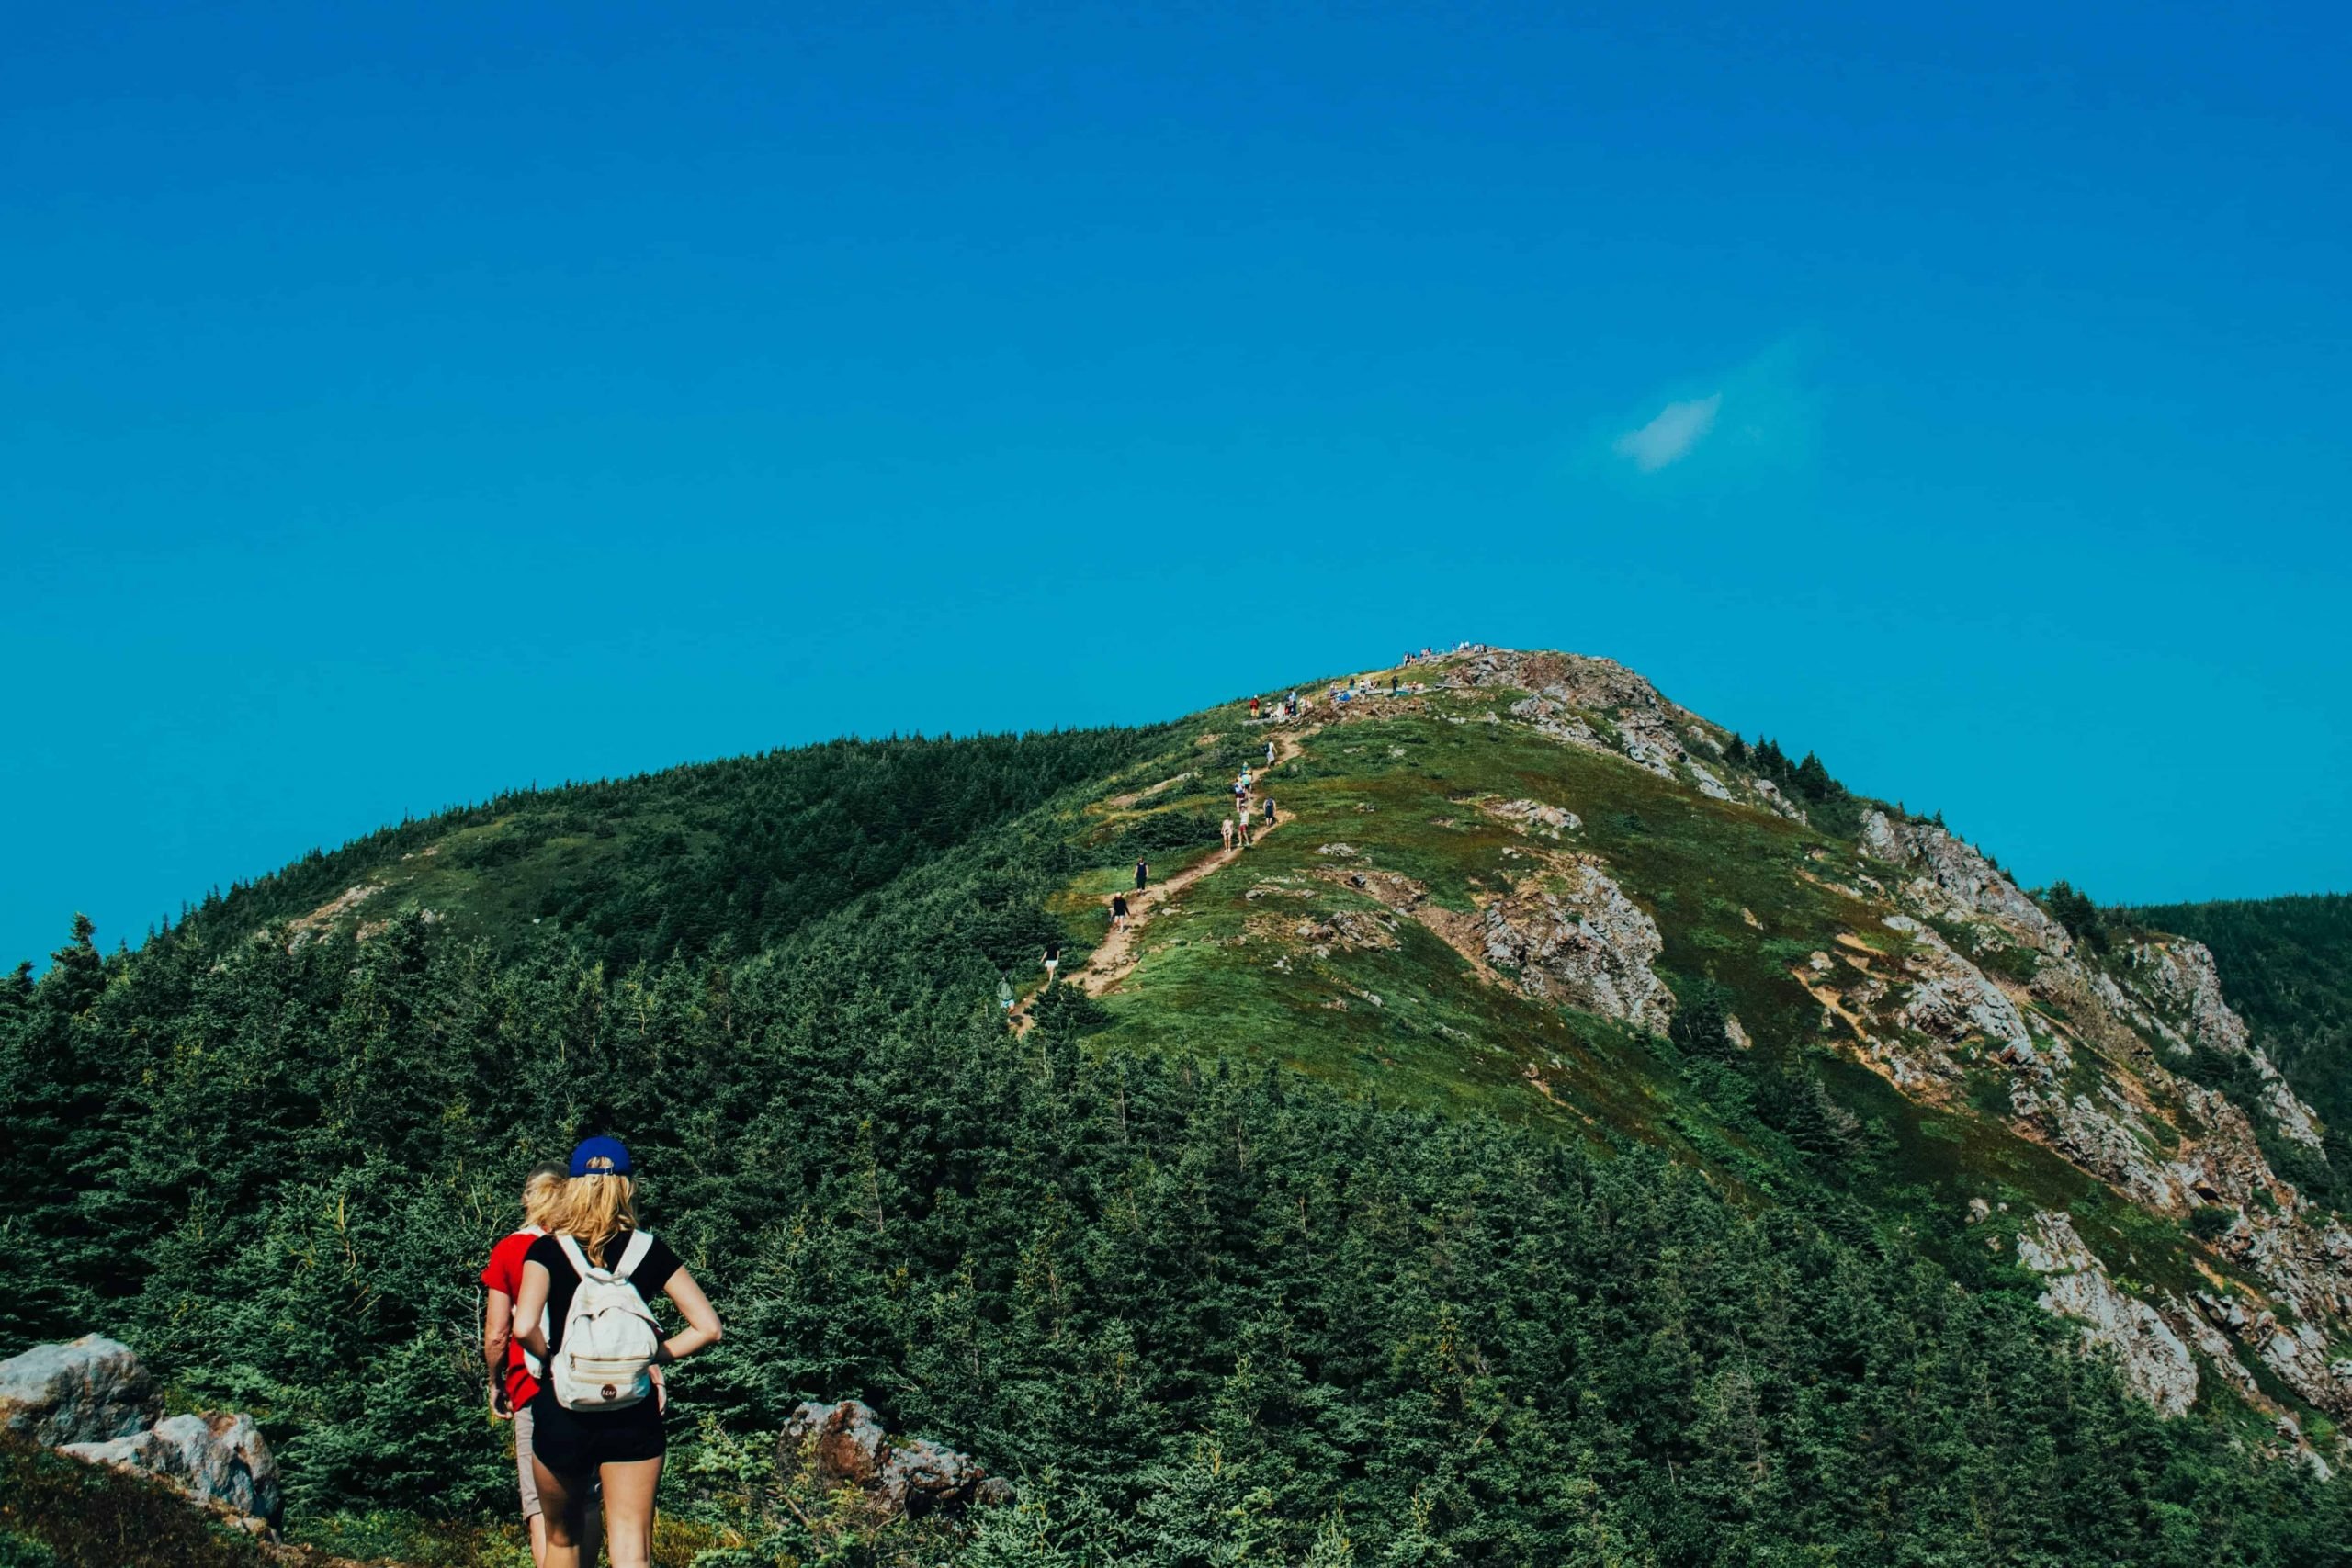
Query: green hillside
{"type": "Point", "coordinates": [1572, 1133]}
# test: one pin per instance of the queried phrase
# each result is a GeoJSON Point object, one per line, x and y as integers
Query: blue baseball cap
{"type": "Point", "coordinates": [600, 1157]}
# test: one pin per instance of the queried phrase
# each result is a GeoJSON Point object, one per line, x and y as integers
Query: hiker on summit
{"type": "Point", "coordinates": [1253, 707]}
{"type": "Point", "coordinates": [598, 1416]}
{"type": "Point", "coordinates": [514, 1373]}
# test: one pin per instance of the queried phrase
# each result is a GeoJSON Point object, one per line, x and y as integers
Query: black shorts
{"type": "Point", "coordinates": [574, 1442]}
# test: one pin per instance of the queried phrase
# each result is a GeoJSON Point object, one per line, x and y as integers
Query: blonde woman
{"type": "Point", "coordinates": [514, 1376]}
{"type": "Point", "coordinates": [572, 1451]}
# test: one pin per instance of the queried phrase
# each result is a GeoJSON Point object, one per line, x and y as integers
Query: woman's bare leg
{"type": "Point", "coordinates": [564, 1508]}
{"type": "Point", "coordinates": [629, 1512]}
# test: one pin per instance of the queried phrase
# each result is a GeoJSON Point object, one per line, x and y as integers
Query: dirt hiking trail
{"type": "Point", "coordinates": [1116, 955]}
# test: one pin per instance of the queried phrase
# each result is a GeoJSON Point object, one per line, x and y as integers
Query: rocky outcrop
{"type": "Point", "coordinates": [1955, 881]}
{"type": "Point", "coordinates": [90, 1391]}
{"type": "Point", "coordinates": [2104, 1136]}
{"type": "Point", "coordinates": [1647, 726]}
{"type": "Point", "coordinates": [1709, 785]}
{"type": "Point", "coordinates": [2180, 978]}
{"type": "Point", "coordinates": [1574, 937]}
{"type": "Point", "coordinates": [1555, 720]}
{"type": "Point", "coordinates": [94, 1399]}
{"type": "Point", "coordinates": [845, 1446]}
{"type": "Point", "coordinates": [1951, 1000]}
{"type": "Point", "coordinates": [2157, 1363]}
{"type": "Point", "coordinates": [1775, 801]}
{"type": "Point", "coordinates": [215, 1458]}
{"type": "Point", "coordinates": [1534, 817]}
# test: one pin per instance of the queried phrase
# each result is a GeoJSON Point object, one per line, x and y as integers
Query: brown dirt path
{"type": "Point", "coordinates": [1116, 955]}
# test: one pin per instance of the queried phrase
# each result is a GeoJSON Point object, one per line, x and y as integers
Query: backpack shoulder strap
{"type": "Point", "coordinates": [577, 1258]}
{"type": "Point", "coordinates": [640, 1244]}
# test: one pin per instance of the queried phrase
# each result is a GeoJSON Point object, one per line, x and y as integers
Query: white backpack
{"type": "Point", "coordinates": [609, 1337]}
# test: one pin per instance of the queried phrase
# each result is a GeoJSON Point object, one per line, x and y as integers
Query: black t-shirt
{"type": "Point", "coordinates": [563, 1281]}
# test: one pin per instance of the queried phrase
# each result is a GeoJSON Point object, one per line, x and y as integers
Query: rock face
{"type": "Point", "coordinates": [215, 1458]}
{"type": "Point", "coordinates": [1577, 939]}
{"type": "Point", "coordinates": [845, 1445]}
{"type": "Point", "coordinates": [1957, 881]}
{"type": "Point", "coordinates": [94, 1399]}
{"type": "Point", "coordinates": [91, 1391]}
{"type": "Point", "coordinates": [1951, 1000]}
{"type": "Point", "coordinates": [2182, 974]}
{"type": "Point", "coordinates": [2155, 1360]}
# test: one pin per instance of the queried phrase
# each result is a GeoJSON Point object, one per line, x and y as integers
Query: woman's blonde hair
{"type": "Point", "coordinates": [592, 1210]}
{"type": "Point", "coordinates": [542, 1190]}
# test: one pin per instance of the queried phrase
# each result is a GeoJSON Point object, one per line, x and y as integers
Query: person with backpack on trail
{"type": "Point", "coordinates": [514, 1373]}
{"type": "Point", "coordinates": [597, 1417]}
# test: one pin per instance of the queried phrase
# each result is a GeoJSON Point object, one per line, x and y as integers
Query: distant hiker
{"type": "Point", "coordinates": [1253, 707]}
{"type": "Point", "coordinates": [1270, 811]}
{"type": "Point", "coordinates": [1241, 829]}
{"type": "Point", "coordinates": [1392, 685]}
{"type": "Point", "coordinates": [598, 1416]}
{"type": "Point", "coordinates": [1143, 875]}
{"type": "Point", "coordinates": [1225, 825]}
{"type": "Point", "coordinates": [1118, 911]}
{"type": "Point", "coordinates": [1005, 996]}
{"type": "Point", "coordinates": [1053, 962]}
{"type": "Point", "coordinates": [1269, 753]}
{"type": "Point", "coordinates": [514, 1371]}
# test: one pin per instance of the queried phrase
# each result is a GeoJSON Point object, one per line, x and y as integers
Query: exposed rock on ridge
{"type": "Point", "coordinates": [1576, 937]}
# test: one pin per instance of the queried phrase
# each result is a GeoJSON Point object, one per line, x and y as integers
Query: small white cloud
{"type": "Point", "coordinates": [1669, 437]}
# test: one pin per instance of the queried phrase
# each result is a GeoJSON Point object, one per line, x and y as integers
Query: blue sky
{"type": "Point", "coordinates": [404, 403]}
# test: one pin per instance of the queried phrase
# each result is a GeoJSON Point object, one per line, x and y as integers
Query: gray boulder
{"type": "Point", "coordinates": [845, 1445]}
{"type": "Point", "coordinates": [91, 1391]}
{"type": "Point", "coordinates": [213, 1458]}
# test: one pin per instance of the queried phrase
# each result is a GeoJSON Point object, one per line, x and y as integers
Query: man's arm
{"type": "Point", "coordinates": [497, 1332]}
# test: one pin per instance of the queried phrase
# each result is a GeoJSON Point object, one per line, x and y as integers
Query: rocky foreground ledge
{"type": "Point", "coordinates": [94, 1399]}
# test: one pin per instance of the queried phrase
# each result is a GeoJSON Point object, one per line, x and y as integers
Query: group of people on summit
{"type": "Point", "coordinates": [576, 1356]}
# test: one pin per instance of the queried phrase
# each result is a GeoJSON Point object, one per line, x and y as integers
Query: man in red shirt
{"type": "Point", "coordinates": [513, 1377]}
